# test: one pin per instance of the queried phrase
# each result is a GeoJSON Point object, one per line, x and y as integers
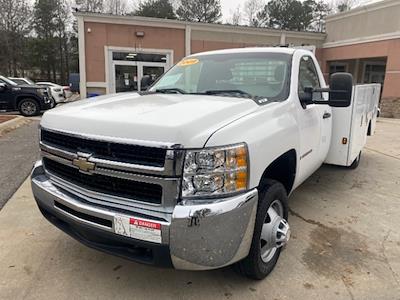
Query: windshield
{"type": "Point", "coordinates": [253, 75]}
{"type": "Point", "coordinates": [6, 80]}
{"type": "Point", "coordinates": [31, 82]}
{"type": "Point", "coordinates": [20, 81]}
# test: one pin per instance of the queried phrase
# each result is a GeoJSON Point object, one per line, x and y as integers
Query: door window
{"type": "Point", "coordinates": [308, 76]}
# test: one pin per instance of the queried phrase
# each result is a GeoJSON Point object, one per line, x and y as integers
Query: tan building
{"type": "Point", "coordinates": [366, 42]}
{"type": "Point", "coordinates": [115, 52]}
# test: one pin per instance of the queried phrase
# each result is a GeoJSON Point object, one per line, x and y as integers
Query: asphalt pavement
{"type": "Point", "coordinates": [19, 149]}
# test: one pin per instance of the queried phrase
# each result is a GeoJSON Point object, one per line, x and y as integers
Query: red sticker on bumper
{"type": "Point", "coordinates": [146, 224]}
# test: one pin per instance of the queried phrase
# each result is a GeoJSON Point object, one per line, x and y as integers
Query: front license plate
{"type": "Point", "coordinates": [137, 228]}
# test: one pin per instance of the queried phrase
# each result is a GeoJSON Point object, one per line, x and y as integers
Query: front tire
{"type": "Point", "coordinates": [28, 107]}
{"type": "Point", "coordinates": [271, 232]}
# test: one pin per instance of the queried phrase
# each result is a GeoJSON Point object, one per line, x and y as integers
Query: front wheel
{"type": "Point", "coordinates": [28, 107]}
{"type": "Point", "coordinates": [271, 232]}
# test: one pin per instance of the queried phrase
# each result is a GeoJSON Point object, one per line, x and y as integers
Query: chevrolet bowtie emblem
{"type": "Point", "coordinates": [83, 164]}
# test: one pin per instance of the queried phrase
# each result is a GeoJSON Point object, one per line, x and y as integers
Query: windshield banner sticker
{"type": "Point", "coordinates": [188, 62]}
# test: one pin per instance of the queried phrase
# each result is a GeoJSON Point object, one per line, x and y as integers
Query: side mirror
{"type": "Point", "coordinates": [306, 97]}
{"type": "Point", "coordinates": [146, 82]}
{"type": "Point", "coordinates": [340, 92]}
{"type": "Point", "coordinates": [341, 89]}
{"type": "Point", "coordinates": [3, 87]}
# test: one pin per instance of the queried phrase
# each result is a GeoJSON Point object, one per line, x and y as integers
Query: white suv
{"type": "Point", "coordinates": [57, 91]}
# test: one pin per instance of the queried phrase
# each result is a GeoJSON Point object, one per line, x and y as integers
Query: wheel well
{"type": "Point", "coordinates": [282, 169]}
{"type": "Point", "coordinates": [20, 98]}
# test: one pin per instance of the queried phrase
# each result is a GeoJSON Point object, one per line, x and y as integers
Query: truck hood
{"type": "Point", "coordinates": [188, 120]}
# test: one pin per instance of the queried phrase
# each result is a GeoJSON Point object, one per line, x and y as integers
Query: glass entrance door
{"type": "Point", "coordinates": [126, 78]}
{"type": "Point", "coordinates": [127, 68]}
{"type": "Point", "coordinates": [128, 75]}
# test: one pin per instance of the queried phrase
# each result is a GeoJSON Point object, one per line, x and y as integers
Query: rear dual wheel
{"type": "Point", "coordinates": [271, 232]}
{"type": "Point", "coordinates": [356, 162]}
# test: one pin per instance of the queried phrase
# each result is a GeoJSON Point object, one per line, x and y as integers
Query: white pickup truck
{"type": "Point", "coordinates": [195, 173]}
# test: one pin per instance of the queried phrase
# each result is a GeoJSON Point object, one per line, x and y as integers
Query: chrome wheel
{"type": "Point", "coordinates": [28, 108]}
{"type": "Point", "coordinates": [275, 232]}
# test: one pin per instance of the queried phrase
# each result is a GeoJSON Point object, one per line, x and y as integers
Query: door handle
{"type": "Point", "coordinates": [326, 115]}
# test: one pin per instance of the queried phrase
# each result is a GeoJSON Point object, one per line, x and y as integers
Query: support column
{"type": "Point", "coordinates": [82, 55]}
{"type": "Point", "coordinates": [356, 73]}
{"type": "Point", "coordinates": [283, 39]}
{"type": "Point", "coordinates": [390, 104]}
{"type": "Point", "coordinates": [188, 40]}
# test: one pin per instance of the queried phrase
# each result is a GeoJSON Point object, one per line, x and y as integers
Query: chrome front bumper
{"type": "Point", "coordinates": [203, 236]}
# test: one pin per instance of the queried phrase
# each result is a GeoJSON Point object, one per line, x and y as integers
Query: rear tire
{"type": "Point", "coordinates": [258, 264]}
{"type": "Point", "coordinates": [356, 162]}
{"type": "Point", "coordinates": [28, 107]}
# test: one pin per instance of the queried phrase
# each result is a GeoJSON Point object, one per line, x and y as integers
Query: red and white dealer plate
{"type": "Point", "coordinates": [137, 228]}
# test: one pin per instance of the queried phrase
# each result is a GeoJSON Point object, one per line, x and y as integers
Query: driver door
{"type": "Point", "coordinates": [309, 119]}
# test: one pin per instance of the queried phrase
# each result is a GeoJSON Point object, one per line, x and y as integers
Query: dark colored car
{"type": "Point", "coordinates": [28, 99]}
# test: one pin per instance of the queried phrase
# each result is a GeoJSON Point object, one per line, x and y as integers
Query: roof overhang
{"type": "Point", "coordinates": [168, 23]}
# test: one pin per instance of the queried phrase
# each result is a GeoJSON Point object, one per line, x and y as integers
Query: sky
{"type": "Point", "coordinates": [228, 6]}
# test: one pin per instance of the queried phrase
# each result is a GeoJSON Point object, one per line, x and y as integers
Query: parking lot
{"type": "Point", "coordinates": [345, 245]}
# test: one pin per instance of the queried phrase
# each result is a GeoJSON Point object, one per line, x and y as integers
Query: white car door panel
{"type": "Point", "coordinates": [313, 133]}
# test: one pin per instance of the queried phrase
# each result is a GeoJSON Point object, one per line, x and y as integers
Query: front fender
{"type": "Point", "coordinates": [269, 132]}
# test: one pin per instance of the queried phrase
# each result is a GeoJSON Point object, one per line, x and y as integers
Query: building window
{"type": "Point", "coordinates": [335, 67]}
{"type": "Point", "coordinates": [374, 72]}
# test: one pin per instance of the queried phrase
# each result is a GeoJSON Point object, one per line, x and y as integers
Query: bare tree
{"type": "Point", "coordinates": [15, 18]}
{"type": "Point", "coordinates": [90, 5]}
{"type": "Point", "coordinates": [63, 20]}
{"type": "Point", "coordinates": [236, 16]}
{"type": "Point", "coordinates": [116, 7]}
{"type": "Point", "coordinates": [345, 5]}
{"type": "Point", "coordinates": [250, 11]}
{"type": "Point", "coordinates": [320, 10]}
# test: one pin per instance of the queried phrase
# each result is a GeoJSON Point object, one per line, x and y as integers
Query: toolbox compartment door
{"type": "Point", "coordinates": [350, 125]}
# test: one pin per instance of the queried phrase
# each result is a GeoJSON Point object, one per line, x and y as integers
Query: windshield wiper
{"type": "Point", "coordinates": [216, 92]}
{"type": "Point", "coordinates": [171, 90]}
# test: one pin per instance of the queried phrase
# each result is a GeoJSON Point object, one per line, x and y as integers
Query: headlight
{"type": "Point", "coordinates": [41, 92]}
{"type": "Point", "coordinates": [215, 171]}
{"type": "Point", "coordinates": [57, 90]}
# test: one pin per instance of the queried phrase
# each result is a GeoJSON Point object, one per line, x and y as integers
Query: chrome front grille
{"type": "Point", "coordinates": [126, 180]}
{"type": "Point", "coordinates": [126, 153]}
{"type": "Point", "coordinates": [116, 186]}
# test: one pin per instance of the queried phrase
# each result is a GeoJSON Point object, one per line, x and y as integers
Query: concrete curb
{"type": "Point", "coordinates": [12, 124]}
